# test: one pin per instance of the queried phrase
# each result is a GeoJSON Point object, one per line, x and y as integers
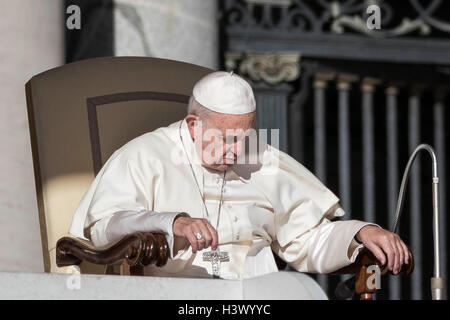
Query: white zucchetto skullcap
{"type": "Point", "coordinates": [225, 92]}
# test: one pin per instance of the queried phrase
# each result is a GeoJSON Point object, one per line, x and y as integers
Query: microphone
{"type": "Point", "coordinates": [438, 288]}
{"type": "Point", "coordinates": [345, 289]}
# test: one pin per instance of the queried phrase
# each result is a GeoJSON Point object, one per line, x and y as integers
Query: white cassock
{"type": "Point", "coordinates": [278, 206]}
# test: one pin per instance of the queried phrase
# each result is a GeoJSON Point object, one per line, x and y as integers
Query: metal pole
{"type": "Point", "coordinates": [439, 140]}
{"type": "Point", "coordinates": [437, 282]}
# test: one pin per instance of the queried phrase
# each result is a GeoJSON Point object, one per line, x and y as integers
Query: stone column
{"type": "Point", "coordinates": [392, 92]}
{"type": "Point", "coordinates": [31, 41]}
{"type": "Point", "coordinates": [415, 200]}
{"type": "Point", "coordinates": [177, 29]}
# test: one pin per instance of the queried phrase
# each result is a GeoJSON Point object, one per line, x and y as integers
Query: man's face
{"type": "Point", "coordinates": [219, 139]}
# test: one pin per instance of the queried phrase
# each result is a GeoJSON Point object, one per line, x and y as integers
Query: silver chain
{"type": "Point", "coordinates": [198, 186]}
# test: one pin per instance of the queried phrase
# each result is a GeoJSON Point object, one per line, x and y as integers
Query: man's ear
{"type": "Point", "coordinates": [191, 120]}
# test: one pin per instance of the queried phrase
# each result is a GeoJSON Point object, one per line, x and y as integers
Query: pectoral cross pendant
{"type": "Point", "coordinates": [216, 257]}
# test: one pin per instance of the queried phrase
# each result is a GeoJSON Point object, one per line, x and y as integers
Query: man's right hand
{"type": "Point", "coordinates": [188, 228]}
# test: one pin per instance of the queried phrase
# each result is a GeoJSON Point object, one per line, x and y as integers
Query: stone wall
{"type": "Point", "coordinates": [31, 41]}
{"type": "Point", "coordinates": [184, 30]}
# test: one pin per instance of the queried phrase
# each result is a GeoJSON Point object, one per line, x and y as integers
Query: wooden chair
{"type": "Point", "coordinates": [79, 114]}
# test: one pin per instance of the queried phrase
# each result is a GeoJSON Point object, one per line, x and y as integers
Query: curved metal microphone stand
{"type": "Point", "coordinates": [437, 283]}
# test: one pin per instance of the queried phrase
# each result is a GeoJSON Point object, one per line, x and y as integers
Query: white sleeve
{"type": "Point", "coordinates": [303, 206]}
{"type": "Point", "coordinates": [111, 229]}
{"type": "Point", "coordinates": [323, 249]}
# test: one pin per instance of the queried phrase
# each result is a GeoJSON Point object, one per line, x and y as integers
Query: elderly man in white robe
{"type": "Point", "coordinates": [222, 217]}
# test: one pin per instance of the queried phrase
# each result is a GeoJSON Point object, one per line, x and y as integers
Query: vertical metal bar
{"type": "Point", "coordinates": [368, 147]}
{"type": "Point", "coordinates": [272, 102]}
{"type": "Point", "coordinates": [343, 87]}
{"type": "Point", "coordinates": [344, 147]}
{"type": "Point", "coordinates": [296, 129]}
{"type": "Point", "coordinates": [283, 100]}
{"type": "Point", "coordinates": [296, 115]}
{"type": "Point", "coordinates": [439, 140]}
{"type": "Point", "coordinates": [319, 130]}
{"type": "Point", "coordinates": [320, 146]}
{"type": "Point", "coordinates": [392, 173]}
{"type": "Point", "coordinates": [266, 19]}
{"type": "Point", "coordinates": [284, 21]}
{"type": "Point", "coordinates": [415, 200]}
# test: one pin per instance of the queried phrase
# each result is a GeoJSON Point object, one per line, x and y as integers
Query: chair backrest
{"type": "Point", "coordinates": [80, 113]}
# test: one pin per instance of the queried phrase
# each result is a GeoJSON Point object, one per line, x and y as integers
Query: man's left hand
{"type": "Point", "coordinates": [386, 246]}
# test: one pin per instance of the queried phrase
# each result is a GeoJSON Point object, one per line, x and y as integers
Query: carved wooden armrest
{"type": "Point", "coordinates": [136, 250]}
{"type": "Point", "coordinates": [363, 269]}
